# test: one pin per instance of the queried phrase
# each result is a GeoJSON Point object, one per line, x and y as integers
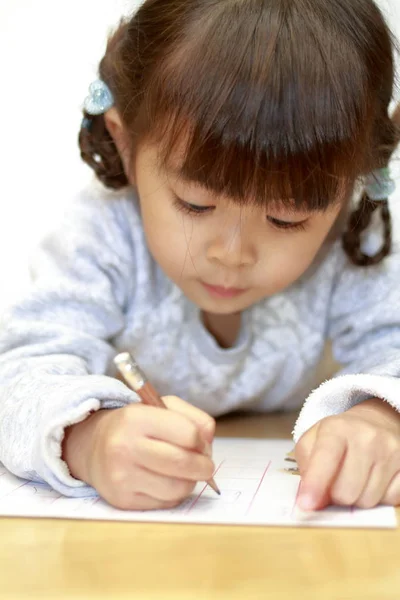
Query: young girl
{"type": "Point", "coordinates": [233, 137]}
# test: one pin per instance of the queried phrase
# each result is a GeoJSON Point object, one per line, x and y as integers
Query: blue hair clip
{"type": "Point", "coordinates": [100, 98]}
{"type": "Point", "coordinates": [379, 184]}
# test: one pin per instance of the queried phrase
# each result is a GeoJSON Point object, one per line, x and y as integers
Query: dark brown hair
{"type": "Point", "coordinates": [274, 99]}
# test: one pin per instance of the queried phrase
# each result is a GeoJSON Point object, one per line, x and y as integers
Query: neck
{"type": "Point", "coordinates": [224, 328]}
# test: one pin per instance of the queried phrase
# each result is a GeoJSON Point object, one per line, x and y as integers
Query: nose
{"type": "Point", "coordinates": [231, 248]}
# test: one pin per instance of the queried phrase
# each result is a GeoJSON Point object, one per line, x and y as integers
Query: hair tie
{"type": "Point", "coordinates": [379, 184]}
{"type": "Point", "coordinates": [100, 98]}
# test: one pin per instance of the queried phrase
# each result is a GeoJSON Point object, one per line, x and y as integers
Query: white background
{"type": "Point", "coordinates": [49, 52]}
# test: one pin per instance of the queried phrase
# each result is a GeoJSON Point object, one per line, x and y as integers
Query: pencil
{"type": "Point", "coordinates": [138, 382]}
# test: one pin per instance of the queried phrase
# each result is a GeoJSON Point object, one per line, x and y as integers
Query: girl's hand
{"type": "Point", "coordinates": [352, 459]}
{"type": "Point", "coordinates": [140, 457]}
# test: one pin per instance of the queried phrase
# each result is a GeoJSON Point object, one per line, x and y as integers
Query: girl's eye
{"type": "Point", "coordinates": [293, 226]}
{"type": "Point", "coordinates": [191, 209]}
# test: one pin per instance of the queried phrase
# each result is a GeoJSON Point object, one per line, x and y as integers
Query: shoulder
{"type": "Point", "coordinates": [99, 228]}
{"type": "Point", "coordinates": [356, 288]}
{"type": "Point", "coordinates": [97, 206]}
{"type": "Point", "coordinates": [101, 218]}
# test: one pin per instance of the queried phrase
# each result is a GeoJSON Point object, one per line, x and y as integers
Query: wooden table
{"type": "Point", "coordinates": [85, 560]}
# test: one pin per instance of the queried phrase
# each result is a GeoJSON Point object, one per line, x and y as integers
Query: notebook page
{"type": "Point", "coordinates": [257, 486]}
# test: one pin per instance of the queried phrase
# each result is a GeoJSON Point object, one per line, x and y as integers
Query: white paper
{"type": "Point", "coordinates": [255, 490]}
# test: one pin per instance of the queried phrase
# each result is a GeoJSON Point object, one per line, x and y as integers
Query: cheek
{"type": "Point", "coordinates": [291, 260]}
{"type": "Point", "coordinates": [170, 238]}
{"type": "Point", "coordinates": [286, 270]}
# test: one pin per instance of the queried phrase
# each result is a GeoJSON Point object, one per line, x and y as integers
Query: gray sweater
{"type": "Point", "coordinates": [97, 291]}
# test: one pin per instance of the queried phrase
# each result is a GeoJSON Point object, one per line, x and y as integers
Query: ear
{"type": "Point", "coordinates": [116, 129]}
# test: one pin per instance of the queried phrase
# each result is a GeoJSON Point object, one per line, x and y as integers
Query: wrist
{"type": "Point", "coordinates": [77, 445]}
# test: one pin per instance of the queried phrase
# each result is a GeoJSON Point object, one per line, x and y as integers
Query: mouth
{"type": "Point", "coordinates": [223, 292]}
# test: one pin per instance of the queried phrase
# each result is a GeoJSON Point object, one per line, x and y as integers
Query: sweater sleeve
{"type": "Point", "coordinates": [56, 343]}
{"type": "Point", "coordinates": [364, 325]}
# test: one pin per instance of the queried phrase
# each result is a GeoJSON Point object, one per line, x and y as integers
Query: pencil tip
{"type": "Point", "coordinates": [214, 486]}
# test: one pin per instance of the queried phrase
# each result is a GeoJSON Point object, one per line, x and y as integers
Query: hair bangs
{"type": "Point", "coordinates": [311, 180]}
{"type": "Point", "coordinates": [272, 119]}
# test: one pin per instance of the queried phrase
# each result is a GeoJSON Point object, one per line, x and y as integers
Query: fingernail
{"type": "Point", "coordinates": [305, 502]}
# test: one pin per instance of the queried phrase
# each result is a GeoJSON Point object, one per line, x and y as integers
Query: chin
{"type": "Point", "coordinates": [223, 307]}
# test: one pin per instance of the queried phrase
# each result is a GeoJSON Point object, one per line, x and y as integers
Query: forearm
{"type": "Point", "coordinates": [349, 391]}
{"type": "Point", "coordinates": [48, 382]}
{"type": "Point", "coordinates": [35, 409]}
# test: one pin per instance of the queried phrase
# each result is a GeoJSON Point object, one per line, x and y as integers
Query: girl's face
{"type": "Point", "coordinates": [224, 257]}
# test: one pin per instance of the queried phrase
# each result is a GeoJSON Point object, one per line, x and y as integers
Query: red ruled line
{"type": "Point", "coordinates": [258, 488]}
{"type": "Point", "coordinates": [195, 501]}
{"type": "Point", "coordinates": [295, 501]}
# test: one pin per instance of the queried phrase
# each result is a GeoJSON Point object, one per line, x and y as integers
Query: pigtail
{"type": "Point", "coordinates": [360, 219]}
{"type": "Point", "coordinates": [97, 148]}
{"type": "Point", "coordinates": [99, 151]}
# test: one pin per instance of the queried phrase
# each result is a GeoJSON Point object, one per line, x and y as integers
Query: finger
{"type": "Point", "coordinates": [323, 467]}
{"type": "Point", "coordinates": [352, 477]}
{"type": "Point", "coordinates": [374, 488]}
{"type": "Point", "coordinates": [143, 502]}
{"type": "Point", "coordinates": [137, 501]}
{"type": "Point", "coordinates": [166, 425]}
{"type": "Point", "coordinates": [166, 489]}
{"type": "Point", "coordinates": [304, 448]}
{"type": "Point", "coordinates": [200, 418]}
{"type": "Point", "coordinates": [173, 461]}
{"type": "Point", "coordinates": [382, 473]}
{"type": "Point", "coordinates": [392, 494]}
{"type": "Point", "coordinates": [121, 485]}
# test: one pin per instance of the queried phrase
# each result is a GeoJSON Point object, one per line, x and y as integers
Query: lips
{"type": "Point", "coordinates": [223, 292]}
